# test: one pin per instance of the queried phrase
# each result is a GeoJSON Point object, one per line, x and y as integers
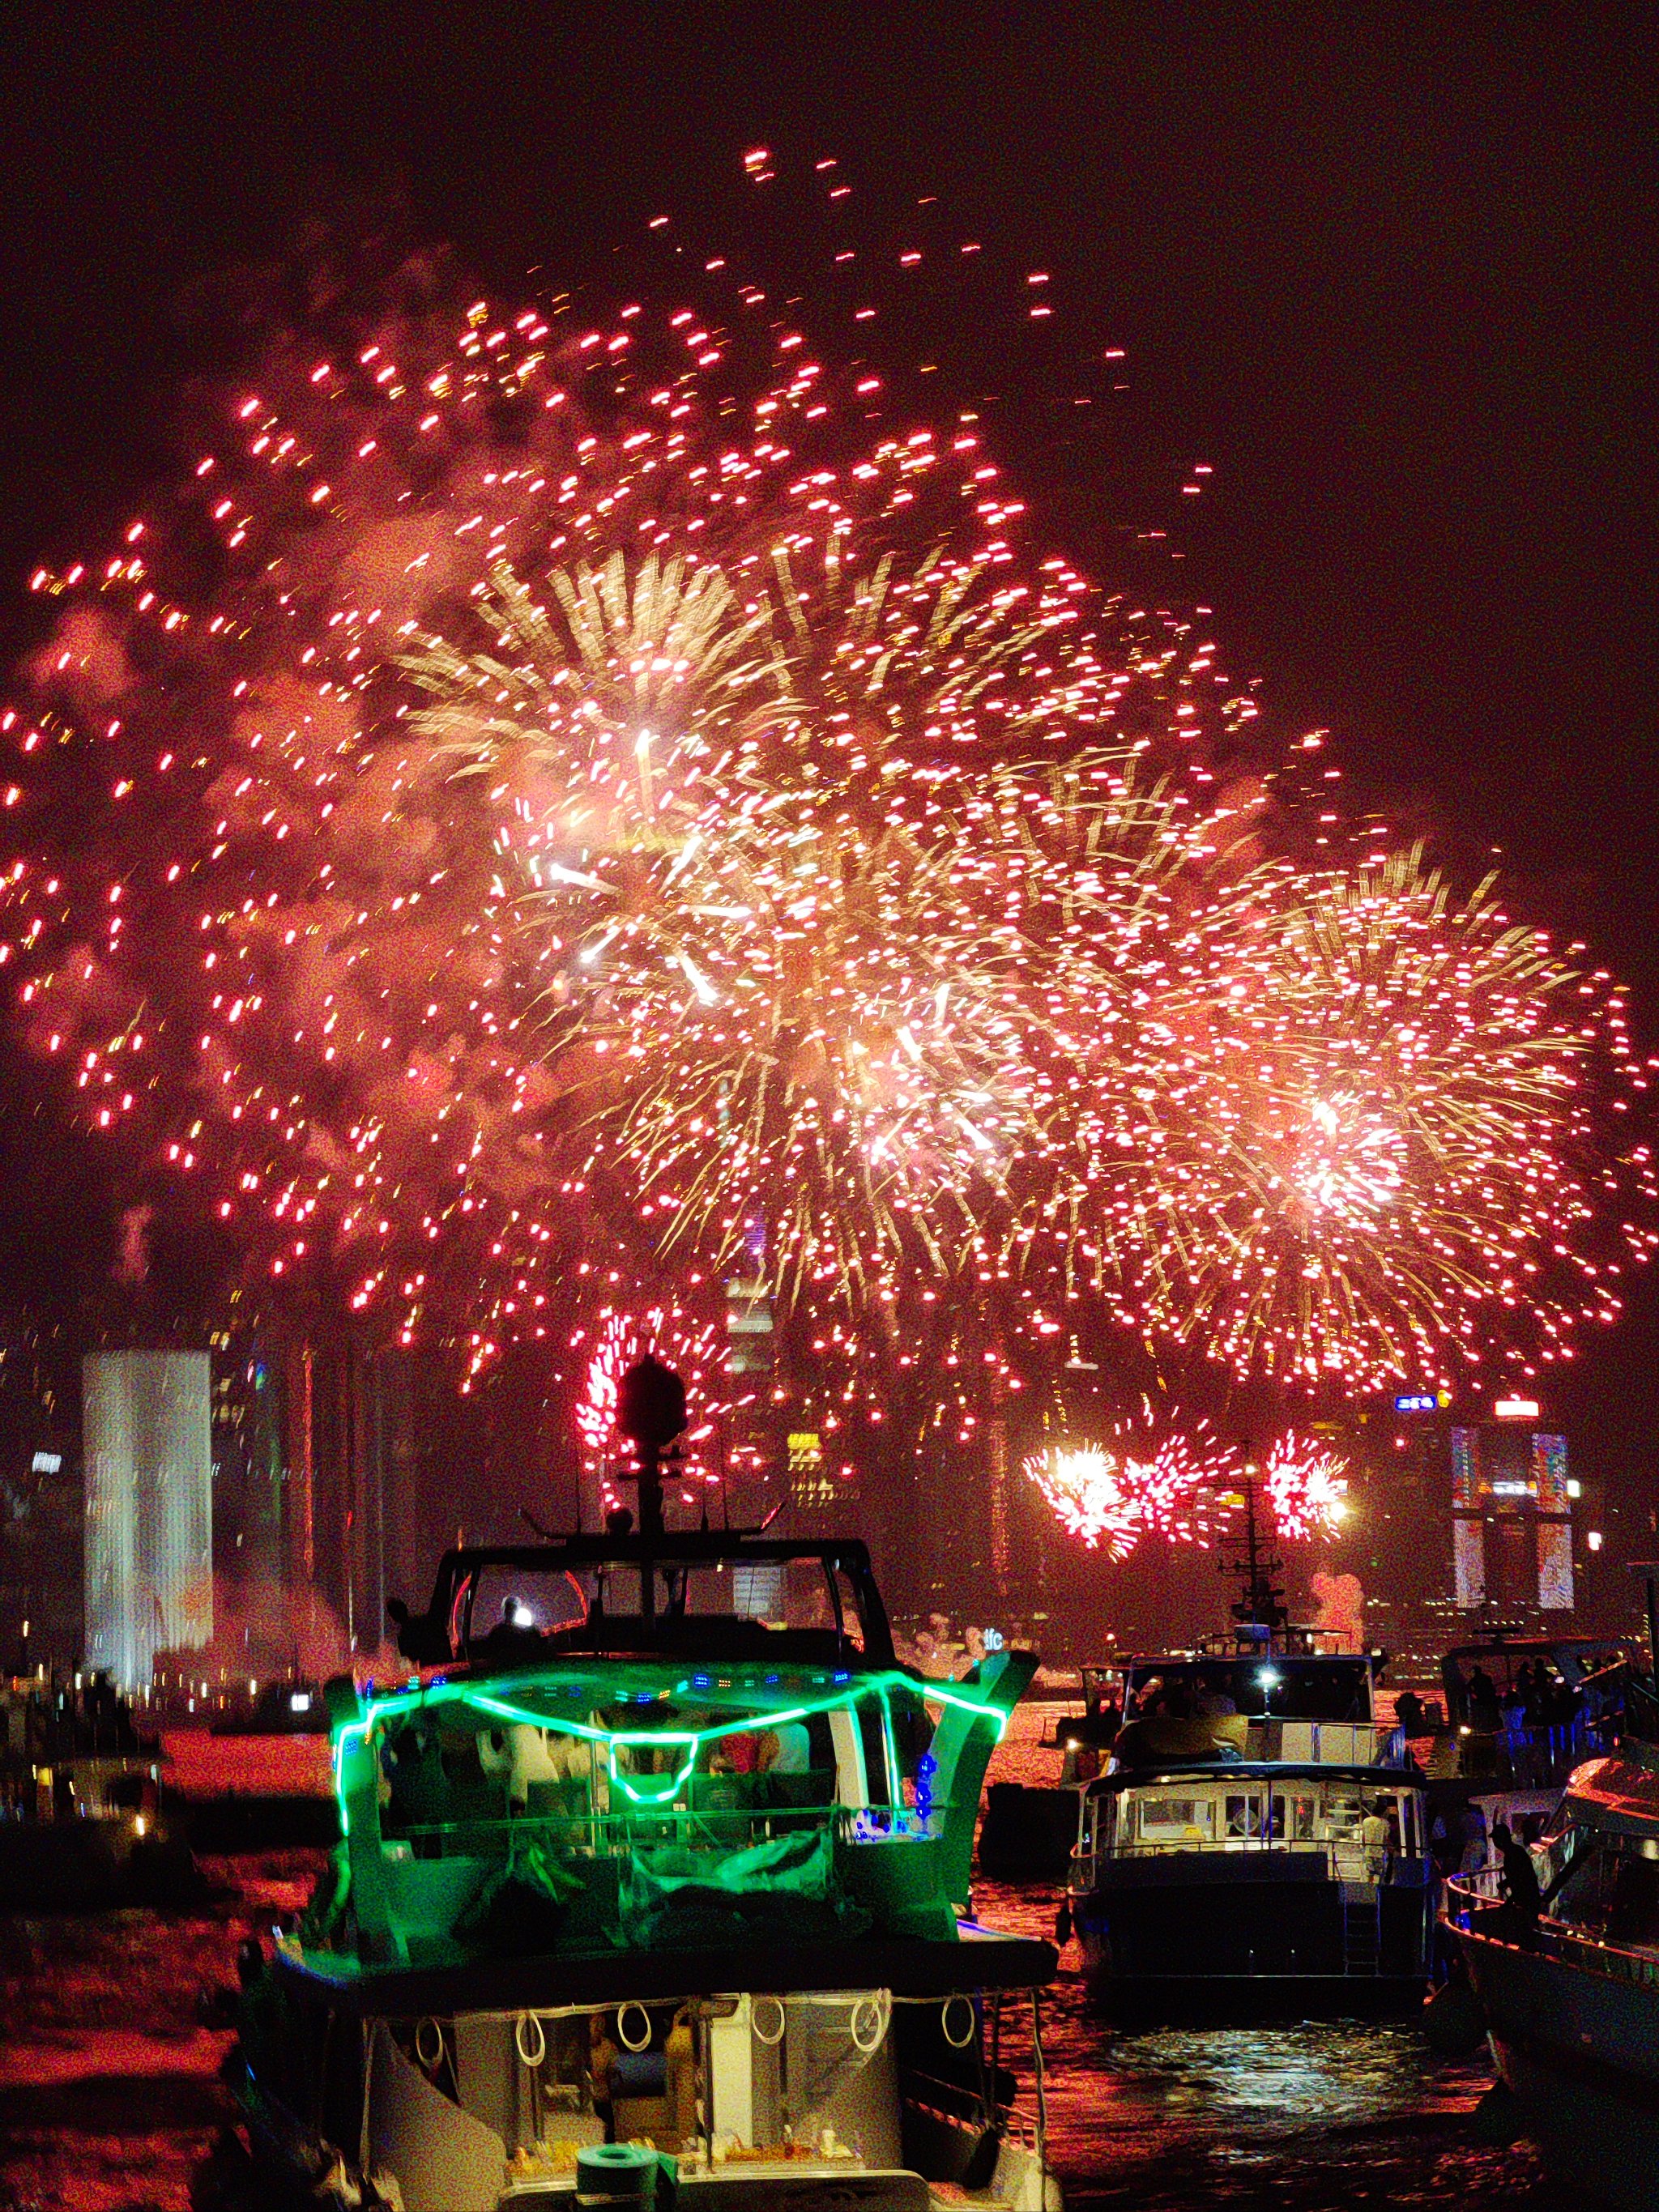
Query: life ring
{"type": "Point", "coordinates": [872, 2011]}
{"type": "Point", "coordinates": [957, 2042]}
{"type": "Point", "coordinates": [761, 2035]}
{"type": "Point", "coordinates": [532, 2057]}
{"type": "Point", "coordinates": [432, 2060]}
{"type": "Point", "coordinates": [627, 2042]}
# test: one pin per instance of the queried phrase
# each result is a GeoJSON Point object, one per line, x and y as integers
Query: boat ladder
{"type": "Point", "coordinates": [1362, 1928]}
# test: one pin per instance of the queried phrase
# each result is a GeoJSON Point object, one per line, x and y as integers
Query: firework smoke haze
{"type": "Point", "coordinates": [284, 833]}
{"type": "Point", "coordinates": [547, 792]}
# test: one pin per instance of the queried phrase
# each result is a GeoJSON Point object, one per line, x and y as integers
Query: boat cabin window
{"type": "Point", "coordinates": [1175, 1819]}
{"type": "Point", "coordinates": [1610, 1889]}
{"type": "Point", "coordinates": [501, 1604]}
{"type": "Point", "coordinates": [1254, 1814]}
{"type": "Point", "coordinates": [1274, 1687]}
{"type": "Point", "coordinates": [523, 1600]}
{"type": "Point", "coordinates": [1294, 1817]}
{"type": "Point", "coordinates": [846, 1596]}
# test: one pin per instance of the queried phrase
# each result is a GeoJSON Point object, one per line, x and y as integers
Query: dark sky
{"type": "Point", "coordinates": [1387, 271]}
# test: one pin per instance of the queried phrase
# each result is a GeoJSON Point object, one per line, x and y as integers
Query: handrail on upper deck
{"type": "Point", "coordinates": [1482, 1901]}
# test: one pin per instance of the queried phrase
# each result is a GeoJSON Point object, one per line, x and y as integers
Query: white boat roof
{"type": "Point", "coordinates": [1618, 1793]}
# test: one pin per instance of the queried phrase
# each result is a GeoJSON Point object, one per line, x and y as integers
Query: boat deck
{"type": "Point", "coordinates": [982, 1960]}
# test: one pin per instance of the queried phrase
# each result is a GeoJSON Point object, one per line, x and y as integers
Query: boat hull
{"type": "Point", "coordinates": [1179, 1934]}
{"type": "Point", "coordinates": [1580, 2050]}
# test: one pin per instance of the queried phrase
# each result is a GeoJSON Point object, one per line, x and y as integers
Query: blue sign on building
{"type": "Point", "coordinates": [1416, 1402]}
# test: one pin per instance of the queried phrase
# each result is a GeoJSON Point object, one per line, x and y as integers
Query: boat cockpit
{"type": "Point", "coordinates": [508, 1606]}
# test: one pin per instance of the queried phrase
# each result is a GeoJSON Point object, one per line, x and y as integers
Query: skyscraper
{"type": "Point", "coordinates": [147, 1431]}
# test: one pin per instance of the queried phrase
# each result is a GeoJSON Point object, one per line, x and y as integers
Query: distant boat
{"type": "Point", "coordinates": [82, 1826]}
{"type": "Point", "coordinates": [1259, 1839]}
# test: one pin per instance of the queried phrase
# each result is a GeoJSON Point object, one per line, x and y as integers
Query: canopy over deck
{"type": "Point", "coordinates": [981, 1960]}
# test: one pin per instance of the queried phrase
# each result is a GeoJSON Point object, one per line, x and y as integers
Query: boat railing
{"type": "Point", "coordinates": [1339, 1859]}
{"type": "Point", "coordinates": [1520, 1756]}
{"type": "Point", "coordinates": [614, 1833]}
{"type": "Point", "coordinates": [1475, 1903]}
{"type": "Point", "coordinates": [1275, 1740]}
{"type": "Point", "coordinates": [953, 2107]}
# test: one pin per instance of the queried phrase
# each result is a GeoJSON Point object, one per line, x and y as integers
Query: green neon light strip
{"type": "Point", "coordinates": [664, 1788]}
{"type": "Point", "coordinates": [889, 1741]}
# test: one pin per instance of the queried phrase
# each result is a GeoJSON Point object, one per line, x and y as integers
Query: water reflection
{"type": "Point", "coordinates": [1318, 2116]}
{"type": "Point", "coordinates": [109, 2100]}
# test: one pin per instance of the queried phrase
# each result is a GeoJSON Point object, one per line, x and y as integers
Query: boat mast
{"type": "Point", "coordinates": [1260, 1601]}
{"type": "Point", "coordinates": [651, 1414]}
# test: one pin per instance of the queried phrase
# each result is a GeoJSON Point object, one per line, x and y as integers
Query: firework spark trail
{"type": "Point", "coordinates": [540, 800]}
{"type": "Point", "coordinates": [277, 837]}
{"type": "Point", "coordinates": [1306, 1487]}
{"type": "Point", "coordinates": [1393, 1156]}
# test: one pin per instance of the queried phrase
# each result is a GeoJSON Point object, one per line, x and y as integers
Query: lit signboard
{"type": "Point", "coordinates": [1416, 1402]}
{"type": "Point", "coordinates": [47, 1463]}
{"type": "Point", "coordinates": [1517, 1409]}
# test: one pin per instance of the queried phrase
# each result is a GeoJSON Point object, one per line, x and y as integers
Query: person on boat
{"type": "Point", "coordinates": [1475, 1854]}
{"type": "Point", "coordinates": [738, 1754]}
{"type": "Point", "coordinates": [1519, 1879]}
{"type": "Point", "coordinates": [786, 1749]}
{"type": "Point", "coordinates": [1408, 1712]}
{"type": "Point", "coordinates": [1374, 1841]}
{"type": "Point", "coordinates": [1081, 1763]}
{"type": "Point", "coordinates": [1483, 1699]}
{"type": "Point", "coordinates": [514, 1636]}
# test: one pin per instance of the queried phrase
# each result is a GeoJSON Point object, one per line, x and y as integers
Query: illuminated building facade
{"type": "Point", "coordinates": [1511, 1521]}
{"type": "Point", "coordinates": [147, 1442]}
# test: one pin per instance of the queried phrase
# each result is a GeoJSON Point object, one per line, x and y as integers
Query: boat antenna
{"type": "Point", "coordinates": [650, 1413]}
{"type": "Point", "coordinates": [1260, 1604]}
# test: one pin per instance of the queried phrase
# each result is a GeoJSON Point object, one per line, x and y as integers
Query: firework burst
{"type": "Point", "coordinates": [567, 826]}
{"type": "Point", "coordinates": [1306, 1486]}
{"type": "Point", "coordinates": [544, 805]}
{"type": "Point", "coordinates": [1394, 1161]}
{"type": "Point", "coordinates": [1111, 1495]}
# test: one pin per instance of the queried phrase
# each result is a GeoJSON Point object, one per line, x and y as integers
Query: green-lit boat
{"type": "Point", "coordinates": [654, 1888]}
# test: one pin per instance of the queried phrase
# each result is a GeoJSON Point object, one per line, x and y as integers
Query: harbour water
{"type": "Point", "coordinates": [111, 2101]}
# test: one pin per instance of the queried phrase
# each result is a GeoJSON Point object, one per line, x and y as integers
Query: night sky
{"type": "Point", "coordinates": [1387, 272]}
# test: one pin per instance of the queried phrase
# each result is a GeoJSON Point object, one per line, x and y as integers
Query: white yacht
{"type": "Point", "coordinates": [1258, 1836]}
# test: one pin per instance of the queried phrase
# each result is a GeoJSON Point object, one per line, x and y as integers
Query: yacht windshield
{"type": "Point", "coordinates": [1260, 1687]}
